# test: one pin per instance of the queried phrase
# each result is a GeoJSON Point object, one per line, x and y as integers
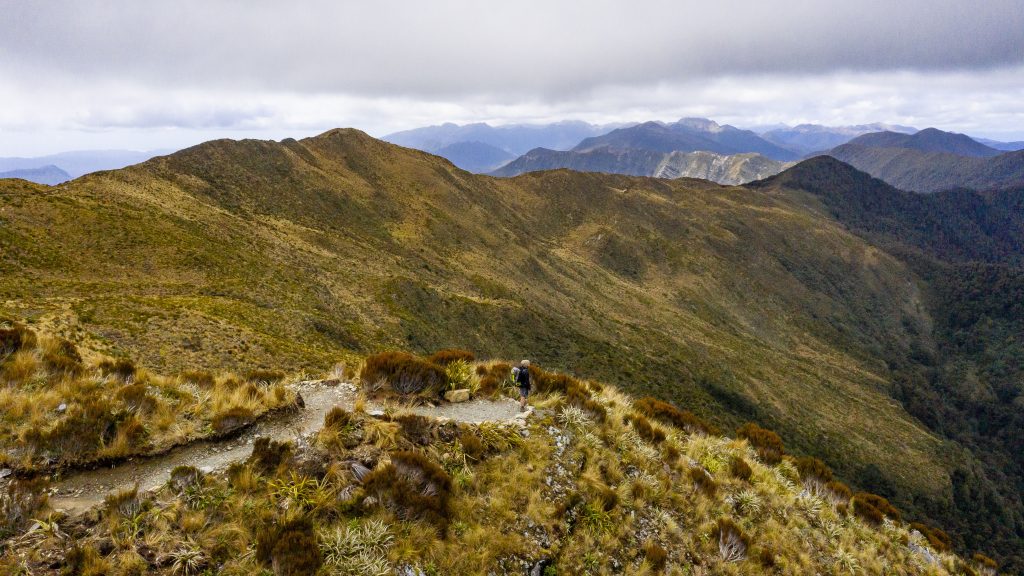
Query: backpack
{"type": "Point", "coordinates": [515, 374]}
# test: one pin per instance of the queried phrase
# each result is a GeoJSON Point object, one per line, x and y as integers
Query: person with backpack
{"type": "Point", "coordinates": [521, 376]}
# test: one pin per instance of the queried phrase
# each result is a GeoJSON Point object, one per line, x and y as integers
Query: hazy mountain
{"type": "Point", "coordinates": [515, 139]}
{"type": "Point", "coordinates": [1005, 146]}
{"type": "Point", "coordinates": [44, 175]}
{"type": "Point", "coordinates": [771, 302]}
{"type": "Point", "coordinates": [808, 138]}
{"type": "Point", "coordinates": [723, 169]}
{"type": "Point", "coordinates": [911, 169]}
{"type": "Point", "coordinates": [79, 162]}
{"type": "Point", "coordinates": [687, 135]}
{"type": "Point", "coordinates": [927, 140]}
{"type": "Point", "coordinates": [475, 156]}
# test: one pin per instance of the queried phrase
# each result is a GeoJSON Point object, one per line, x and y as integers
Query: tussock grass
{"type": "Point", "coordinates": [582, 493]}
{"type": "Point", "coordinates": [58, 411]}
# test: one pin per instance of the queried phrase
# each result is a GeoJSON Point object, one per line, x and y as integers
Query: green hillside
{"type": "Point", "coordinates": [734, 303]}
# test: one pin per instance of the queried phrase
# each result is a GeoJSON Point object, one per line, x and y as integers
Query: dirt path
{"type": "Point", "coordinates": [83, 490]}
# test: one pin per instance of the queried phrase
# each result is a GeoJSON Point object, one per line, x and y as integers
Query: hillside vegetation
{"type": "Point", "coordinates": [597, 482]}
{"type": "Point", "coordinates": [735, 304]}
{"type": "Point", "coordinates": [933, 171]}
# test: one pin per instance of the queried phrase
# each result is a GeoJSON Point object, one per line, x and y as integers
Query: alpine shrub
{"type": "Point", "coordinates": [739, 468]}
{"type": "Point", "coordinates": [643, 427]}
{"type": "Point", "coordinates": [412, 486]}
{"type": "Point", "coordinates": [62, 357]}
{"type": "Point", "coordinates": [122, 368]}
{"type": "Point", "coordinates": [703, 481]}
{"type": "Point", "coordinates": [260, 375]}
{"type": "Point", "coordinates": [16, 337]}
{"type": "Point", "coordinates": [269, 455]}
{"type": "Point", "coordinates": [669, 414]}
{"type": "Point", "coordinates": [655, 555]}
{"type": "Point", "coordinates": [449, 355]}
{"type": "Point", "coordinates": [937, 539]}
{"type": "Point", "coordinates": [877, 502]}
{"type": "Point", "coordinates": [985, 564]}
{"type": "Point", "coordinates": [813, 469]}
{"type": "Point", "coordinates": [200, 378]}
{"type": "Point", "coordinates": [135, 398]}
{"type": "Point", "coordinates": [840, 492]}
{"type": "Point", "coordinates": [768, 444]}
{"type": "Point", "coordinates": [289, 549]}
{"type": "Point", "coordinates": [405, 373]}
{"type": "Point", "coordinates": [732, 542]}
{"type": "Point", "coordinates": [231, 421]}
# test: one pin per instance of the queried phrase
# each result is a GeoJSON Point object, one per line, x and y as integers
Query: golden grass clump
{"type": "Point", "coordinates": [404, 373]}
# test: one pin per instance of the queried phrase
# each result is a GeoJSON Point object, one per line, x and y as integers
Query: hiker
{"type": "Point", "coordinates": [522, 378]}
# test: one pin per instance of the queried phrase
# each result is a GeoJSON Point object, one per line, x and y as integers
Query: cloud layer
{"type": "Point", "coordinates": [262, 66]}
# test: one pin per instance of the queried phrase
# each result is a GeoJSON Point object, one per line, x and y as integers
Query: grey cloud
{"type": "Point", "coordinates": [510, 50]}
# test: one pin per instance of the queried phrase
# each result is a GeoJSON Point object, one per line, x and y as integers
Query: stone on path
{"type": "Point", "coordinates": [456, 396]}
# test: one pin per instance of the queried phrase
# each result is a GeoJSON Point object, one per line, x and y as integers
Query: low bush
{"type": "Point", "coordinates": [840, 492]}
{"type": "Point", "coordinates": [472, 447]}
{"type": "Point", "coordinates": [231, 421]}
{"type": "Point", "coordinates": [85, 427]}
{"type": "Point", "coordinates": [813, 470]}
{"type": "Point", "coordinates": [766, 443]}
{"type": "Point", "coordinates": [655, 555]}
{"type": "Point", "coordinates": [642, 426]}
{"type": "Point", "coordinates": [766, 556]}
{"type": "Point", "coordinates": [289, 549]}
{"type": "Point", "coordinates": [122, 368]}
{"type": "Point", "coordinates": [877, 502]}
{"type": "Point", "coordinates": [15, 337]}
{"type": "Point", "coordinates": [200, 378]}
{"type": "Point", "coordinates": [404, 373]}
{"type": "Point", "coordinates": [136, 398]}
{"type": "Point", "coordinates": [739, 468]}
{"type": "Point", "coordinates": [417, 429]}
{"type": "Point", "coordinates": [60, 356]}
{"type": "Point", "coordinates": [669, 414]}
{"type": "Point", "coordinates": [732, 542]}
{"type": "Point", "coordinates": [449, 355]}
{"type": "Point", "coordinates": [985, 564]}
{"type": "Point", "coordinates": [268, 456]}
{"type": "Point", "coordinates": [703, 481]}
{"type": "Point", "coordinates": [20, 502]}
{"type": "Point", "coordinates": [937, 539]}
{"type": "Point", "coordinates": [412, 486]}
{"type": "Point", "coordinates": [184, 477]}
{"type": "Point", "coordinates": [268, 376]}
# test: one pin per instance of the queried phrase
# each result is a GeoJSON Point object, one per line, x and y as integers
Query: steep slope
{"type": "Point", "coordinates": [968, 249]}
{"type": "Point", "coordinates": [44, 175]}
{"type": "Point", "coordinates": [687, 135]}
{"type": "Point", "coordinates": [732, 302]}
{"type": "Point", "coordinates": [928, 140]}
{"type": "Point", "coordinates": [808, 138]}
{"type": "Point", "coordinates": [731, 169]}
{"type": "Point", "coordinates": [911, 169]}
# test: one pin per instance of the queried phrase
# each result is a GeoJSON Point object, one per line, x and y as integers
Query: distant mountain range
{"type": "Point", "coordinates": [481, 147]}
{"type": "Point", "coordinates": [76, 163]}
{"type": "Point", "coordinates": [691, 147]}
{"type": "Point", "coordinates": [808, 138]}
{"type": "Point", "coordinates": [724, 169]}
{"type": "Point", "coordinates": [932, 160]}
{"type": "Point", "coordinates": [687, 135]}
{"type": "Point", "coordinates": [44, 175]}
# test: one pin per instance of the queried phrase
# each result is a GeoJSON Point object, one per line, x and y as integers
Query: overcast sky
{"type": "Point", "coordinates": [154, 74]}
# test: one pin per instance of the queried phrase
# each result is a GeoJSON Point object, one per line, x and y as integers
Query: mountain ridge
{"type": "Point", "coordinates": [241, 253]}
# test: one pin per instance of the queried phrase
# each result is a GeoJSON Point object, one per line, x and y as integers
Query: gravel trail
{"type": "Point", "coordinates": [80, 491]}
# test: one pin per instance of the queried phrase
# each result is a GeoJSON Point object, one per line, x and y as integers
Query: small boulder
{"type": "Point", "coordinates": [456, 396]}
{"type": "Point", "coordinates": [62, 408]}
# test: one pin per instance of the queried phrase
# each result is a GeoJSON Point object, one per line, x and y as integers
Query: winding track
{"type": "Point", "coordinates": [80, 491]}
